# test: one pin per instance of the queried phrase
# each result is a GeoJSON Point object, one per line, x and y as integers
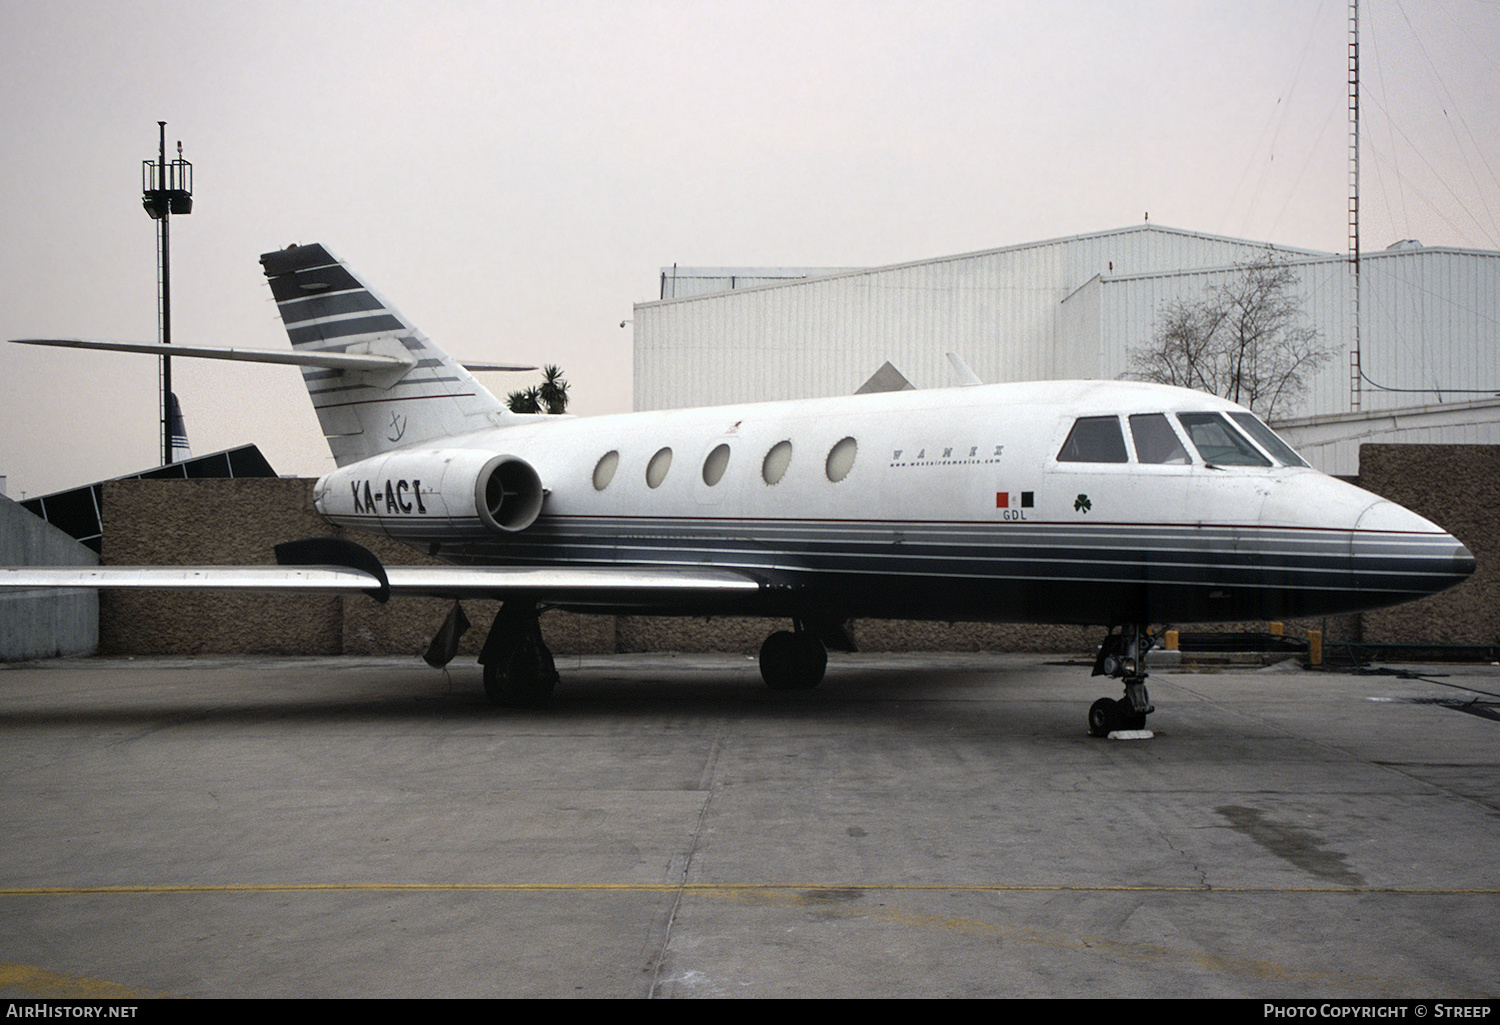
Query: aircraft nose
{"type": "Point", "coordinates": [1463, 560]}
{"type": "Point", "coordinates": [1405, 555]}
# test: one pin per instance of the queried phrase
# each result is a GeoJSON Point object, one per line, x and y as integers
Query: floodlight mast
{"type": "Point", "coordinates": [166, 189]}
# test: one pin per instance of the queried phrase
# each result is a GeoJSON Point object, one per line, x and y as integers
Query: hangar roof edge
{"type": "Point", "coordinates": [1294, 251]}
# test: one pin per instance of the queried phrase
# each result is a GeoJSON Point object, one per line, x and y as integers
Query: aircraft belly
{"type": "Point", "coordinates": [1013, 572]}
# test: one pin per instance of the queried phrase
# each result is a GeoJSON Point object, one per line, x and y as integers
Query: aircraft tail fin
{"type": "Point", "coordinates": [424, 396]}
{"type": "Point", "coordinates": [180, 450]}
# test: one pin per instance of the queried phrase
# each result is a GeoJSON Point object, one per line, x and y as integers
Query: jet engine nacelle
{"type": "Point", "coordinates": [433, 494]}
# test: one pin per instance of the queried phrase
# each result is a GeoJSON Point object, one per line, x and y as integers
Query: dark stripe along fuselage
{"type": "Point", "coordinates": [1015, 572]}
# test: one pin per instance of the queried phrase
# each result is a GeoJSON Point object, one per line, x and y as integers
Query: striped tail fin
{"type": "Point", "coordinates": [178, 429]}
{"type": "Point", "coordinates": [325, 308]}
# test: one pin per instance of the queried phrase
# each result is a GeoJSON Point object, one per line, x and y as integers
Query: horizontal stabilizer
{"type": "Point", "coordinates": [325, 360]}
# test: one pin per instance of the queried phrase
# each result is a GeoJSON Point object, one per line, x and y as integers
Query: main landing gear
{"type": "Point", "coordinates": [519, 671]}
{"type": "Point", "coordinates": [796, 659]}
{"type": "Point", "coordinates": [518, 667]}
{"type": "Point", "coordinates": [793, 661]}
{"type": "Point", "coordinates": [1122, 656]}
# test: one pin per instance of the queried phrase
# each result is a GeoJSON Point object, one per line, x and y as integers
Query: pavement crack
{"type": "Point", "coordinates": [1194, 867]}
{"type": "Point", "coordinates": [706, 781]}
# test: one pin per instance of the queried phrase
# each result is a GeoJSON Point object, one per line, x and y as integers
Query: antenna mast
{"type": "Point", "coordinates": [1356, 372]}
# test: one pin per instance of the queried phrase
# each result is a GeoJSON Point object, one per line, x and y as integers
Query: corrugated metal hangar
{"type": "Point", "coordinates": [1075, 308]}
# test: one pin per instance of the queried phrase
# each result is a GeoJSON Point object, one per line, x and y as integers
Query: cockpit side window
{"type": "Point", "coordinates": [1252, 425]}
{"type": "Point", "coordinates": [1218, 442]}
{"type": "Point", "coordinates": [1155, 441]}
{"type": "Point", "coordinates": [1094, 439]}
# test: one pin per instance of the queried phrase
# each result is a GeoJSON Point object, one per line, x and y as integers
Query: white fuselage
{"type": "Point", "coordinates": [944, 504]}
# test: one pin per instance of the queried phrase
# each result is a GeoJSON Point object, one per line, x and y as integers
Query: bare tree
{"type": "Point", "coordinates": [1244, 340]}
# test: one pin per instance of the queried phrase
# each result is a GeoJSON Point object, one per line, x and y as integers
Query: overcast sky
{"type": "Point", "coordinates": [514, 175]}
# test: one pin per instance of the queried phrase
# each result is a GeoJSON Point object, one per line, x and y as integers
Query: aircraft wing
{"type": "Point", "coordinates": [564, 585]}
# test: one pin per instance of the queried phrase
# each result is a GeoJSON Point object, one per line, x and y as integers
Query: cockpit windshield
{"type": "Point", "coordinates": [1267, 439]}
{"type": "Point", "coordinates": [1218, 442]}
{"type": "Point", "coordinates": [1155, 441]}
{"type": "Point", "coordinates": [1222, 439]}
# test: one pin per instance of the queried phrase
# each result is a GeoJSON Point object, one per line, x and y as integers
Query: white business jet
{"type": "Point", "coordinates": [1089, 502]}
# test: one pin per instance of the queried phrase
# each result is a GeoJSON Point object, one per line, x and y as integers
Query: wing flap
{"type": "Point", "coordinates": [609, 586]}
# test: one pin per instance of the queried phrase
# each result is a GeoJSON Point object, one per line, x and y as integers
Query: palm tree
{"type": "Point", "coordinates": [554, 390]}
{"type": "Point", "coordinates": [551, 396]}
{"type": "Point", "coordinates": [527, 401]}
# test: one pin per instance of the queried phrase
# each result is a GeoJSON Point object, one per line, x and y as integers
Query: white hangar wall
{"type": "Point", "coordinates": [997, 309]}
{"type": "Point", "coordinates": [1331, 443]}
{"type": "Point", "coordinates": [1120, 314]}
{"type": "Point", "coordinates": [1429, 338]}
{"type": "Point", "coordinates": [1074, 308]}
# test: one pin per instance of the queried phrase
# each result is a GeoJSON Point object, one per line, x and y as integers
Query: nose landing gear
{"type": "Point", "coordinates": [1122, 656]}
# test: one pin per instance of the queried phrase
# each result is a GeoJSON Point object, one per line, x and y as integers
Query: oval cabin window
{"type": "Point", "coordinates": [604, 470]}
{"type": "Point", "coordinates": [776, 462]}
{"type": "Point", "coordinates": [841, 459]}
{"type": "Point", "coordinates": [715, 465]}
{"type": "Point", "coordinates": [656, 470]}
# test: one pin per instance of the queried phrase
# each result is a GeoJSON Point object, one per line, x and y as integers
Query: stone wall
{"type": "Point", "coordinates": [745, 634]}
{"type": "Point", "coordinates": [233, 521]}
{"type": "Point", "coordinates": [1458, 488]}
{"type": "Point", "coordinates": [238, 522]}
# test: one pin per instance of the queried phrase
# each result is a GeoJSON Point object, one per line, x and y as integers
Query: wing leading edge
{"type": "Point", "coordinates": [563, 585]}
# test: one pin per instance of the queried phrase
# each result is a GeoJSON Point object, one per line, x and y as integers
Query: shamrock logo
{"type": "Point", "coordinates": [1082, 503]}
